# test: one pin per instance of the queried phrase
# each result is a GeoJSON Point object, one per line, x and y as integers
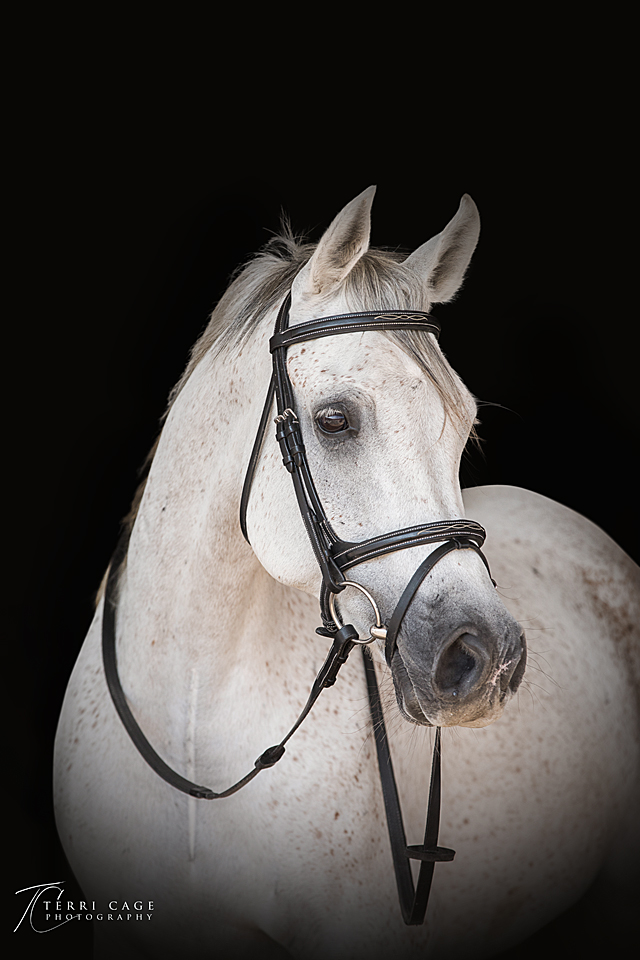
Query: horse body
{"type": "Point", "coordinates": [217, 652]}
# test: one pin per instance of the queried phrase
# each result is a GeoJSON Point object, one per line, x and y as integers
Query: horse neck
{"type": "Point", "coordinates": [194, 594]}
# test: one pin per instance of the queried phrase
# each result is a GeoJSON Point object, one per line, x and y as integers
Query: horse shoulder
{"type": "Point", "coordinates": [577, 593]}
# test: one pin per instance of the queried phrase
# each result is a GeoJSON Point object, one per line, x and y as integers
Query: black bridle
{"type": "Point", "coordinates": [335, 557]}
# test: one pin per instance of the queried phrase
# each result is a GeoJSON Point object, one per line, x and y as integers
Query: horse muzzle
{"type": "Point", "coordinates": [461, 675]}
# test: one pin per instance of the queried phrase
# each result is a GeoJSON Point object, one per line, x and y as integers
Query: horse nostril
{"type": "Point", "coordinates": [518, 673]}
{"type": "Point", "coordinates": [461, 666]}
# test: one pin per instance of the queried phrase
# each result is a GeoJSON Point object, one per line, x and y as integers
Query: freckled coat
{"type": "Point", "coordinates": [216, 652]}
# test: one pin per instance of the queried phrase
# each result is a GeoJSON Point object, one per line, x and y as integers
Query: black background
{"type": "Point", "coordinates": [130, 208]}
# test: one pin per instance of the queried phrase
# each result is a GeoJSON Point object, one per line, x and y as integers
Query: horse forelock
{"type": "Point", "coordinates": [378, 281]}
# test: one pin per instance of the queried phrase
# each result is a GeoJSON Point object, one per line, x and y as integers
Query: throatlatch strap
{"type": "Point", "coordinates": [253, 460]}
{"type": "Point", "coordinates": [282, 318]}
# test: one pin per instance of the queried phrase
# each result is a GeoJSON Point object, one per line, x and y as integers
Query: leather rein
{"type": "Point", "coordinates": [334, 556]}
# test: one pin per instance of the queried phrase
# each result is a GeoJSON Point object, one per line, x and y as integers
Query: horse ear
{"type": "Point", "coordinates": [442, 261]}
{"type": "Point", "coordinates": [340, 248]}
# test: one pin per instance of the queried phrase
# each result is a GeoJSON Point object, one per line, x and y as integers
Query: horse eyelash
{"type": "Point", "coordinates": [329, 411]}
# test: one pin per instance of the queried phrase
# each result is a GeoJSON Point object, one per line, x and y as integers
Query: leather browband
{"type": "Point", "coordinates": [354, 323]}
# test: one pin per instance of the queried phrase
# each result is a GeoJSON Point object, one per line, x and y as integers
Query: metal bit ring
{"type": "Point", "coordinates": [378, 631]}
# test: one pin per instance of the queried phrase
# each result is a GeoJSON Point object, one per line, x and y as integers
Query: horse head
{"type": "Point", "coordinates": [385, 420]}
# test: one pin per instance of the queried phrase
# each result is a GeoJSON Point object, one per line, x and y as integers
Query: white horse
{"type": "Point", "coordinates": [216, 653]}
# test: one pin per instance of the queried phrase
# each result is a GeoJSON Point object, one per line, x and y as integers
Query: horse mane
{"type": "Point", "coordinates": [378, 281]}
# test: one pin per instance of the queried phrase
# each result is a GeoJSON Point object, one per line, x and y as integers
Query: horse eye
{"type": "Point", "coordinates": [332, 421]}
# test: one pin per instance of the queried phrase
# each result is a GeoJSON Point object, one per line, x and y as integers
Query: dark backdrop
{"type": "Point", "coordinates": [128, 225]}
